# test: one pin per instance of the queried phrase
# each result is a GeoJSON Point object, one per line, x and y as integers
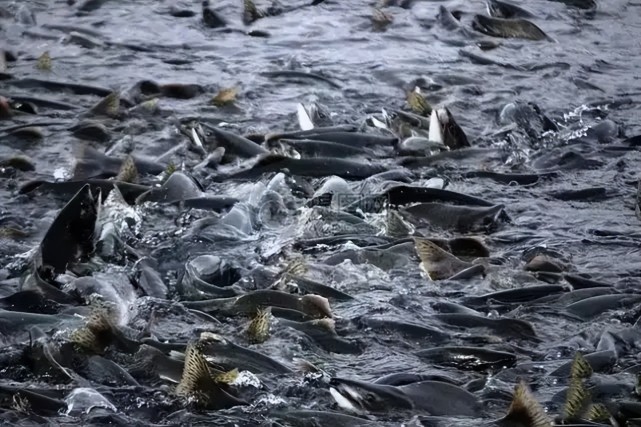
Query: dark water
{"type": "Point", "coordinates": [586, 81]}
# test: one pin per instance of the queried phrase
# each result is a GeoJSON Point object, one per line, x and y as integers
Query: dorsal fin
{"type": "Point", "coordinates": [576, 400]}
{"type": "Point", "coordinates": [418, 103]}
{"type": "Point", "coordinates": [97, 333]}
{"type": "Point", "coordinates": [108, 106]}
{"type": "Point", "coordinates": [128, 171]}
{"type": "Point", "coordinates": [437, 262]}
{"type": "Point", "coordinates": [525, 409]}
{"type": "Point", "coordinates": [196, 381]}
{"type": "Point", "coordinates": [306, 366]}
{"type": "Point", "coordinates": [296, 267]}
{"type": "Point", "coordinates": [258, 329]}
{"type": "Point", "coordinates": [580, 367]}
{"type": "Point", "coordinates": [251, 13]}
{"type": "Point", "coordinates": [396, 226]}
{"type": "Point", "coordinates": [598, 412]}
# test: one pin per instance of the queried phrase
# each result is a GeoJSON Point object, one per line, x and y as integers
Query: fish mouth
{"type": "Point", "coordinates": [211, 338]}
{"type": "Point", "coordinates": [347, 398]}
{"type": "Point", "coordinates": [359, 397]}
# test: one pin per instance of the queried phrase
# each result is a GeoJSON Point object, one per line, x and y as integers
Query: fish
{"type": "Point", "coordinates": [472, 358]}
{"type": "Point", "coordinates": [445, 399]}
{"type": "Point", "coordinates": [508, 28]}
{"type": "Point", "coordinates": [211, 19]}
{"type": "Point", "coordinates": [323, 333]}
{"type": "Point", "coordinates": [227, 353]}
{"type": "Point", "coordinates": [502, 9]}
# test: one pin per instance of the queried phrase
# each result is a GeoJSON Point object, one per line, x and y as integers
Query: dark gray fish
{"type": "Point", "coordinates": [405, 378]}
{"type": "Point", "coordinates": [313, 287]}
{"type": "Point", "coordinates": [14, 322]}
{"type": "Point", "coordinates": [70, 236]}
{"type": "Point", "coordinates": [585, 194]}
{"type": "Point", "coordinates": [579, 4]}
{"type": "Point", "coordinates": [447, 19]}
{"type": "Point", "coordinates": [176, 188]}
{"type": "Point", "coordinates": [359, 240]}
{"type": "Point", "coordinates": [30, 301]}
{"type": "Point", "coordinates": [210, 18]}
{"type": "Point", "coordinates": [502, 9]}
{"type": "Point", "coordinates": [33, 281]}
{"type": "Point", "coordinates": [455, 218]}
{"type": "Point", "coordinates": [91, 5]}
{"type": "Point", "coordinates": [419, 146]}
{"type": "Point", "coordinates": [352, 139]}
{"type": "Point", "coordinates": [468, 357]}
{"type": "Point", "coordinates": [92, 163]}
{"type": "Point", "coordinates": [445, 399]}
{"type": "Point", "coordinates": [150, 281]}
{"type": "Point", "coordinates": [304, 134]}
{"type": "Point", "coordinates": [107, 372]}
{"type": "Point", "coordinates": [405, 194]}
{"type": "Point", "coordinates": [574, 296]}
{"type": "Point", "coordinates": [208, 276]}
{"type": "Point", "coordinates": [406, 329]}
{"type": "Point", "coordinates": [508, 178]}
{"type": "Point", "coordinates": [316, 148]}
{"type": "Point", "coordinates": [150, 89]}
{"type": "Point", "coordinates": [234, 356]}
{"type": "Point", "coordinates": [311, 167]}
{"type": "Point", "coordinates": [235, 145]}
{"type": "Point", "coordinates": [311, 305]}
{"type": "Point", "coordinates": [91, 130]}
{"type": "Point", "coordinates": [301, 74]}
{"type": "Point", "coordinates": [150, 361]}
{"type": "Point", "coordinates": [564, 159]}
{"type": "Point", "coordinates": [129, 191]}
{"type": "Point", "coordinates": [475, 58]}
{"type": "Point", "coordinates": [514, 328]}
{"type": "Point", "coordinates": [78, 89]}
{"type": "Point", "coordinates": [447, 307]}
{"type": "Point", "coordinates": [43, 103]}
{"type": "Point", "coordinates": [591, 307]}
{"type": "Point", "coordinates": [508, 28]}
{"type": "Point", "coordinates": [37, 402]}
{"type": "Point", "coordinates": [520, 295]}
{"type": "Point", "coordinates": [322, 332]}
{"type": "Point", "coordinates": [580, 282]}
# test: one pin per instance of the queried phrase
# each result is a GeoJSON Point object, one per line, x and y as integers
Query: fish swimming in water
{"type": "Point", "coordinates": [508, 28]}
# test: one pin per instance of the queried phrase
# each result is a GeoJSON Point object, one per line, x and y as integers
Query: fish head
{"type": "Point", "coordinates": [358, 396]}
